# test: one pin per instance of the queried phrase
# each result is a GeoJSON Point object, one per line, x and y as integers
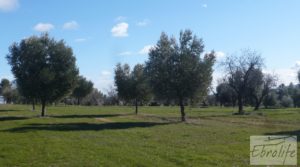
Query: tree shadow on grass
{"type": "Point", "coordinates": [287, 133]}
{"type": "Point", "coordinates": [12, 118]}
{"type": "Point", "coordinates": [88, 116]}
{"type": "Point", "coordinates": [84, 126]}
{"type": "Point", "coordinates": [6, 110]}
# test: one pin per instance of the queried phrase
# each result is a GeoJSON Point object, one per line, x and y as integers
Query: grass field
{"type": "Point", "coordinates": [114, 136]}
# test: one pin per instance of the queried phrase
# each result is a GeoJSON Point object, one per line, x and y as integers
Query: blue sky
{"type": "Point", "coordinates": [103, 33]}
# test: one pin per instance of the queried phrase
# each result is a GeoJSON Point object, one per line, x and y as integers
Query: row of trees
{"type": "Point", "coordinates": [175, 71]}
{"type": "Point", "coordinates": [247, 84]}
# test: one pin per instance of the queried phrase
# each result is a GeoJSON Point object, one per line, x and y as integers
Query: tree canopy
{"type": "Point", "coordinates": [82, 89]}
{"type": "Point", "coordinates": [176, 71]}
{"type": "Point", "coordinates": [239, 70]}
{"type": "Point", "coordinates": [44, 68]}
{"type": "Point", "coordinates": [132, 85]}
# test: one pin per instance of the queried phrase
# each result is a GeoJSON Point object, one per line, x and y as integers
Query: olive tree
{"type": "Point", "coordinates": [177, 71]}
{"type": "Point", "coordinates": [260, 85]}
{"type": "Point", "coordinates": [82, 89]}
{"type": "Point", "coordinates": [44, 68]}
{"type": "Point", "coordinates": [132, 85]}
{"type": "Point", "coordinates": [239, 69]}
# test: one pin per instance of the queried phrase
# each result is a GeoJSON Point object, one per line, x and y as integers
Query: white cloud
{"type": "Point", "coordinates": [220, 55]}
{"type": "Point", "coordinates": [105, 73]}
{"type": "Point", "coordinates": [120, 30]}
{"type": "Point", "coordinates": [104, 81]}
{"type": "Point", "coordinates": [143, 23]}
{"type": "Point", "coordinates": [72, 25]}
{"type": "Point", "coordinates": [127, 53]}
{"type": "Point", "coordinates": [146, 49]}
{"type": "Point", "coordinates": [8, 5]}
{"type": "Point", "coordinates": [120, 18]}
{"type": "Point", "coordinates": [80, 40]}
{"type": "Point", "coordinates": [204, 5]}
{"type": "Point", "coordinates": [43, 27]}
{"type": "Point", "coordinates": [285, 75]}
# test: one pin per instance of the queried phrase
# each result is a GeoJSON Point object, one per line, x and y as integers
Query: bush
{"type": "Point", "coordinates": [286, 101]}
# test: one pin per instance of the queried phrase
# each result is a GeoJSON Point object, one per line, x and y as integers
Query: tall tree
{"type": "Point", "coordinates": [239, 69]}
{"type": "Point", "coordinates": [44, 68]}
{"type": "Point", "coordinates": [177, 71]}
{"type": "Point", "coordinates": [132, 85]}
{"type": "Point", "coordinates": [83, 88]}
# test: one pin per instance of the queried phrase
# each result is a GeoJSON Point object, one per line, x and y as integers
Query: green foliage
{"type": "Point", "coordinates": [83, 88]}
{"type": "Point", "coordinates": [226, 96]}
{"type": "Point", "coordinates": [271, 100]}
{"type": "Point", "coordinates": [94, 98]}
{"type": "Point", "coordinates": [286, 101]}
{"type": "Point", "coordinates": [176, 71]}
{"type": "Point", "coordinates": [44, 68]}
{"type": "Point", "coordinates": [132, 85]}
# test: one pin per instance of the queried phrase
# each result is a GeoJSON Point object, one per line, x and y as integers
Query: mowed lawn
{"type": "Point", "coordinates": [114, 136]}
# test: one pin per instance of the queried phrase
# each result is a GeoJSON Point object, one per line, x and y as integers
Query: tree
{"type": "Point", "coordinates": [294, 92]}
{"type": "Point", "coordinates": [112, 97]}
{"type": "Point", "coordinates": [44, 68]}
{"type": "Point", "coordinates": [83, 88]}
{"type": "Point", "coordinates": [4, 83]}
{"type": "Point", "coordinates": [239, 69]}
{"type": "Point", "coordinates": [260, 85]}
{"type": "Point", "coordinates": [286, 101]}
{"type": "Point", "coordinates": [94, 98]}
{"type": "Point", "coordinates": [177, 71]}
{"type": "Point", "coordinates": [299, 75]}
{"type": "Point", "coordinates": [132, 85]}
{"type": "Point", "coordinates": [6, 90]}
{"type": "Point", "coordinates": [225, 95]}
{"type": "Point", "coordinates": [270, 100]}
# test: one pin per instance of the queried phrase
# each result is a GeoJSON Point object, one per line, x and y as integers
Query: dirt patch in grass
{"type": "Point", "coordinates": [103, 120]}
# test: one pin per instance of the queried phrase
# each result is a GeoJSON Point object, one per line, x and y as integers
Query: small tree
{"type": "Point", "coordinates": [132, 85]}
{"type": "Point", "coordinates": [225, 95]}
{"type": "Point", "coordinates": [177, 71]}
{"type": "Point", "coordinates": [260, 85]}
{"type": "Point", "coordinates": [6, 90]}
{"type": "Point", "coordinates": [44, 68]}
{"type": "Point", "coordinates": [94, 98]}
{"type": "Point", "coordinates": [286, 101]}
{"type": "Point", "coordinates": [239, 69]}
{"type": "Point", "coordinates": [270, 100]}
{"type": "Point", "coordinates": [83, 88]}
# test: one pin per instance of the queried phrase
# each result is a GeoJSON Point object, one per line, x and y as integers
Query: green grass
{"type": "Point", "coordinates": [114, 136]}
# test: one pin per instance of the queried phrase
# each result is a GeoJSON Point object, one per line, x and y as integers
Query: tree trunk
{"type": "Point", "coordinates": [240, 103]}
{"type": "Point", "coordinates": [78, 101]}
{"type": "Point", "coordinates": [136, 106]}
{"type": "Point", "coordinates": [257, 104]}
{"type": "Point", "coordinates": [33, 105]}
{"type": "Point", "coordinates": [182, 111]}
{"type": "Point", "coordinates": [43, 108]}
